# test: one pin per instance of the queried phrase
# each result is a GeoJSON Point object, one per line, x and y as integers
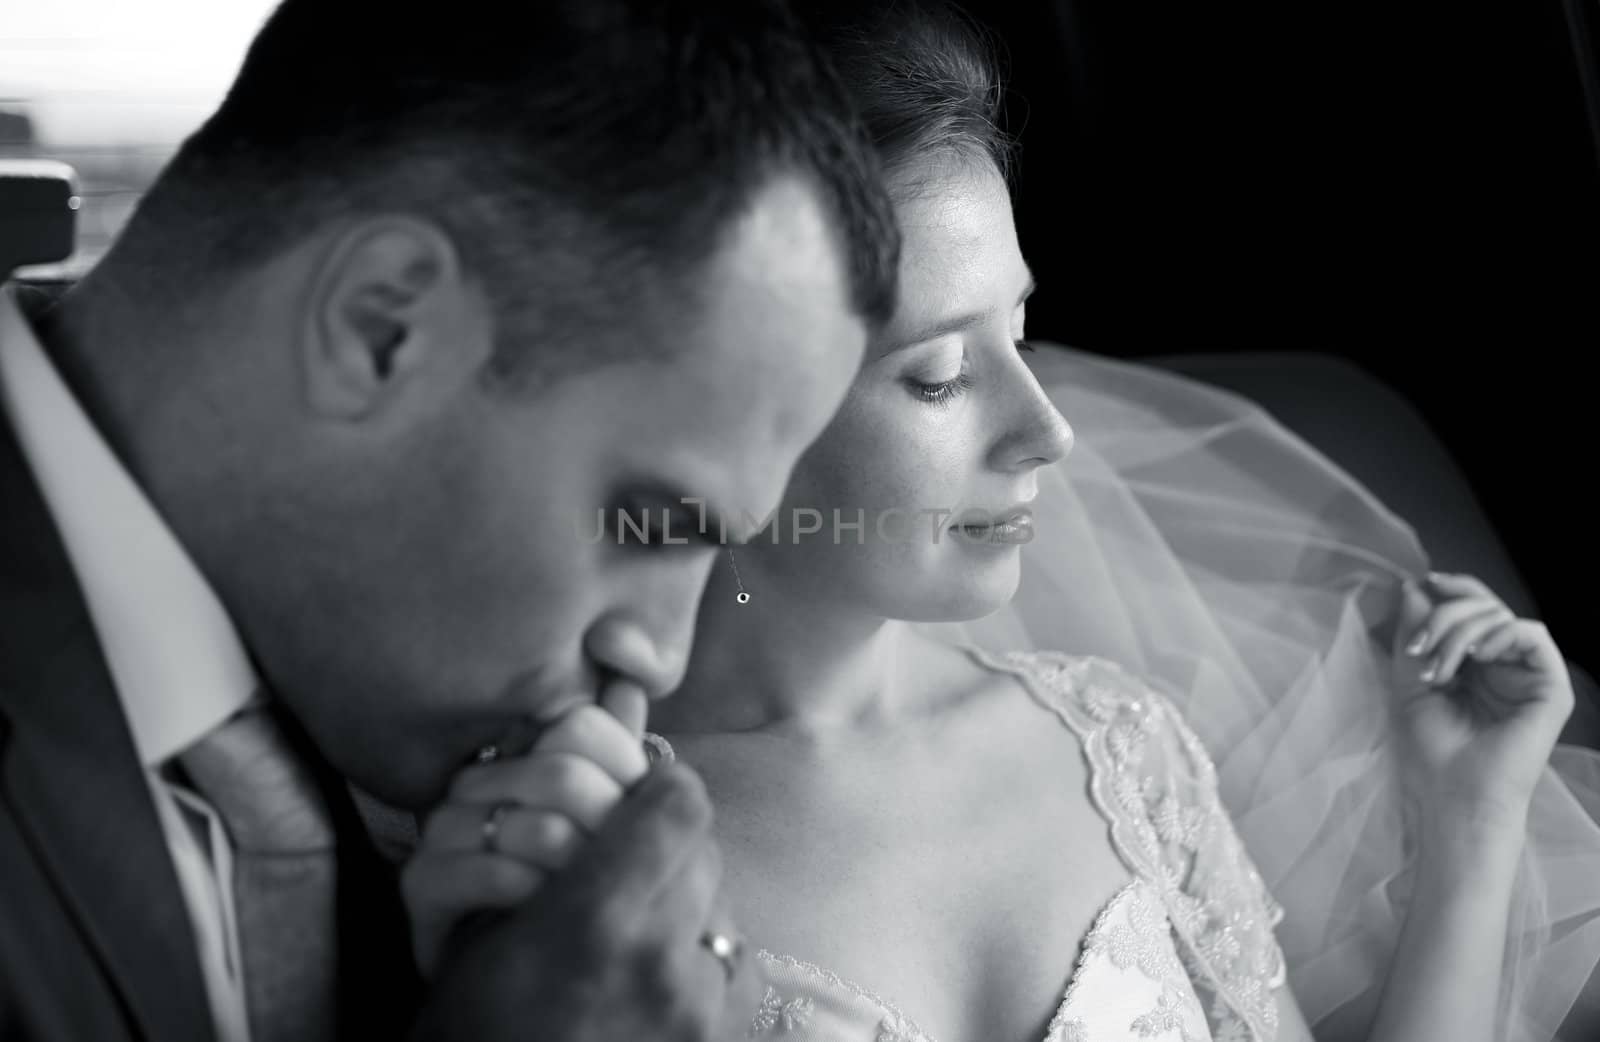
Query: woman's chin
{"type": "Point", "coordinates": [968, 594]}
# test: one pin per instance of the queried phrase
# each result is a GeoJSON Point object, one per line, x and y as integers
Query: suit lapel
{"type": "Point", "coordinates": [70, 774]}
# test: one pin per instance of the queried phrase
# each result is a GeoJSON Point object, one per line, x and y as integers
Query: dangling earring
{"type": "Point", "coordinates": [742, 598]}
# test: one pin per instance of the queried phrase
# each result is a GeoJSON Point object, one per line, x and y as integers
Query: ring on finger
{"type": "Point", "coordinates": [492, 821]}
{"type": "Point", "coordinates": [726, 949]}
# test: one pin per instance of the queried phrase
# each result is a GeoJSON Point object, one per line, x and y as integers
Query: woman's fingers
{"type": "Point", "coordinates": [1445, 617]}
{"type": "Point", "coordinates": [1474, 624]}
{"type": "Point", "coordinates": [541, 838]}
{"type": "Point", "coordinates": [1503, 640]}
{"type": "Point", "coordinates": [627, 702]}
{"type": "Point", "coordinates": [566, 783]}
{"type": "Point", "coordinates": [1531, 643]}
{"type": "Point", "coordinates": [1458, 639]}
{"type": "Point", "coordinates": [1497, 644]}
{"type": "Point", "coordinates": [1453, 586]}
{"type": "Point", "coordinates": [598, 734]}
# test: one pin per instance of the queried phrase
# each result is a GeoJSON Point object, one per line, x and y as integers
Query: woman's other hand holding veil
{"type": "Point", "coordinates": [1484, 697]}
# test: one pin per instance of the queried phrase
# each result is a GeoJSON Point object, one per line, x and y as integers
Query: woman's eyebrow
{"type": "Point", "coordinates": [956, 323]}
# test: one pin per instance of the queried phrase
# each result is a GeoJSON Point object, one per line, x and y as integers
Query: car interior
{"type": "Point", "coordinates": [1380, 222]}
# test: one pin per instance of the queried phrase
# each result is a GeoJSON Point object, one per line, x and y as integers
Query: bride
{"type": "Point", "coordinates": [1276, 774]}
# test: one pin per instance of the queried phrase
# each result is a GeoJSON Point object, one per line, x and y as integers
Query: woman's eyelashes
{"type": "Point", "coordinates": [943, 392]}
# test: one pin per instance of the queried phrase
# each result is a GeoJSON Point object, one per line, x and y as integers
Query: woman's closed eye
{"type": "Point", "coordinates": [943, 392]}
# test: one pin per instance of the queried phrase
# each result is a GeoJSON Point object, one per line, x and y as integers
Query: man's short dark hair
{"type": "Point", "coordinates": [575, 150]}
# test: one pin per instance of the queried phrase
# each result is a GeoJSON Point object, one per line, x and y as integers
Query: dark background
{"type": "Point", "coordinates": [1410, 186]}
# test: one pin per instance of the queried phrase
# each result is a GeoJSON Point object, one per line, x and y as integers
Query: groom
{"type": "Point", "coordinates": [292, 487]}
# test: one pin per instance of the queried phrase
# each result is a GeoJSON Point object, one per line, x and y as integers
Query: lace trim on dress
{"type": "Point", "coordinates": [775, 1014]}
{"type": "Point", "coordinates": [1061, 1029]}
{"type": "Point", "coordinates": [895, 1026]}
{"type": "Point", "coordinates": [1171, 829]}
{"type": "Point", "coordinates": [1144, 943]}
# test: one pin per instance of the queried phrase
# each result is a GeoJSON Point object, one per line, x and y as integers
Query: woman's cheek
{"type": "Point", "coordinates": [889, 451]}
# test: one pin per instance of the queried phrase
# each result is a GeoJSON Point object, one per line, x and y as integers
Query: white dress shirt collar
{"type": "Point", "coordinates": [179, 666]}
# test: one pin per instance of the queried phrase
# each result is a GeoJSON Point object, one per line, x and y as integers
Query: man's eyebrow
{"type": "Point", "coordinates": [957, 323]}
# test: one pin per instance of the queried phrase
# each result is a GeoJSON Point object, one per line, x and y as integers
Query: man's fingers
{"type": "Point", "coordinates": [469, 881]}
{"type": "Point", "coordinates": [593, 733]}
{"type": "Point", "coordinates": [648, 838]}
{"type": "Point", "coordinates": [443, 889]}
{"type": "Point", "coordinates": [693, 896]}
{"type": "Point", "coordinates": [562, 782]}
{"type": "Point", "coordinates": [541, 838]}
{"type": "Point", "coordinates": [648, 882]}
{"type": "Point", "coordinates": [728, 984]}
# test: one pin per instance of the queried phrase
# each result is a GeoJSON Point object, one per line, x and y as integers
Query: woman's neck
{"type": "Point", "coordinates": [791, 664]}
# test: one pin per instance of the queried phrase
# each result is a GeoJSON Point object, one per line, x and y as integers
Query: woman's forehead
{"type": "Point", "coordinates": [960, 251]}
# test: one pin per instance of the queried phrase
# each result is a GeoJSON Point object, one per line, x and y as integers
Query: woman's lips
{"type": "Point", "coordinates": [1014, 528]}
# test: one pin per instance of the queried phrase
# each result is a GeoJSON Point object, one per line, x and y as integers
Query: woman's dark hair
{"type": "Point", "coordinates": [925, 78]}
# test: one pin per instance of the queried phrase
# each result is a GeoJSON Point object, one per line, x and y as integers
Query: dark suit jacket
{"type": "Point", "coordinates": [95, 938]}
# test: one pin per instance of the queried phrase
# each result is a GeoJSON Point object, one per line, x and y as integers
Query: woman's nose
{"type": "Point", "coordinates": [1039, 435]}
{"type": "Point", "coordinates": [1053, 439]}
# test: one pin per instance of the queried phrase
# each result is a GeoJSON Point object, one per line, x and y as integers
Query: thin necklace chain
{"type": "Point", "coordinates": [743, 598]}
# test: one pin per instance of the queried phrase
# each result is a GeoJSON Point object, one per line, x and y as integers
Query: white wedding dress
{"type": "Point", "coordinates": [1217, 556]}
{"type": "Point", "coordinates": [1184, 952]}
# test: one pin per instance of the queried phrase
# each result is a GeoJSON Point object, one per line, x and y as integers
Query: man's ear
{"type": "Point", "coordinates": [390, 305]}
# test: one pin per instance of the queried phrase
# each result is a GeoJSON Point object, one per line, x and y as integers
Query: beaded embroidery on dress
{"type": "Point", "coordinates": [1184, 953]}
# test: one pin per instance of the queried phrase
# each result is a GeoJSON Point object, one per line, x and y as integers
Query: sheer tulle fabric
{"type": "Point", "coordinates": [1196, 541]}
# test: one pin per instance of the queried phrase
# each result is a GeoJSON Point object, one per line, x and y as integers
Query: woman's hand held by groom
{"type": "Point", "coordinates": [506, 825]}
{"type": "Point", "coordinates": [599, 877]}
{"type": "Point", "coordinates": [608, 948]}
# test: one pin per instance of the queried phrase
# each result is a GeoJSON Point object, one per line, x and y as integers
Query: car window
{"type": "Point", "coordinates": [112, 87]}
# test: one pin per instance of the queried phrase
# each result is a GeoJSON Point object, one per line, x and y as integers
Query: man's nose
{"type": "Point", "coordinates": [652, 650]}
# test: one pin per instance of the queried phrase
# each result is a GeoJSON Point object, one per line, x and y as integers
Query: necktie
{"type": "Point", "coordinates": [284, 873]}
